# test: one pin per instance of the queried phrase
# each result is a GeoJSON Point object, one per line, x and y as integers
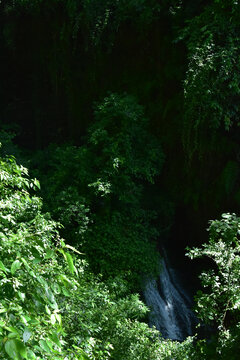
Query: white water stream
{"type": "Point", "coordinates": [170, 306]}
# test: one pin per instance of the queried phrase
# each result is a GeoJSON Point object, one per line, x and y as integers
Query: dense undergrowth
{"type": "Point", "coordinates": [52, 307]}
{"type": "Point", "coordinates": [99, 191]}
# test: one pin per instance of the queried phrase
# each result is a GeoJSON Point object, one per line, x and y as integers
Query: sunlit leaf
{"type": "Point", "coordinates": [15, 266]}
{"type": "Point", "coordinates": [73, 249]}
{"type": "Point", "coordinates": [43, 344]}
{"type": "Point", "coordinates": [59, 318]}
{"type": "Point", "coordinates": [31, 355]}
{"type": "Point", "coordinates": [3, 310]}
{"type": "Point", "coordinates": [21, 295]}
{"type": "Point", "coordinates": [70, 263]}
{"type": "Point", "coordinates": [53, 319]}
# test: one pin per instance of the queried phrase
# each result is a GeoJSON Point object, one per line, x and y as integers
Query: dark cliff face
{"type": "Point", "coordinates": [52, 76]}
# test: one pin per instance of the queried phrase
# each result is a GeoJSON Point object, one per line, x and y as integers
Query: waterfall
{"type": "Point", "coordinates": [169, 304]}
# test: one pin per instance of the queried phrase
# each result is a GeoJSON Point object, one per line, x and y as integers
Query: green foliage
{"type": "Point", "coordinates": [109, 319]}
{"type": "Point", "coordinates": [123, 228]}
{"type": "Point", "coordinates": [212, 84]}
{"type": "Point", "coordinates": [33, 276]}
{"type": "Point", "coordinates": [97, 190]}
{"type": "Point", "coordinates": [120, 131]}
{"type": "Point", "coordinates": [219, 303]}
{"type": "Point", "coordinates": [51, 307]}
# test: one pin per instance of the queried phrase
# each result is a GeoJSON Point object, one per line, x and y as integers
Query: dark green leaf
{"type": "Point", "coordinates": [3, 268]}
{"type": "Point", "coordinates": [55, 339]}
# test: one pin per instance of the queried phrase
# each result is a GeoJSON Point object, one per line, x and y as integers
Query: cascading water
{"type": "Point", "coordinates": [170, 306]}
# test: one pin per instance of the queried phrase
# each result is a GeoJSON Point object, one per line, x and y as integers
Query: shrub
{"type": "Point", "coordinates": [99, 190]}
{"type": "Point", "coordinates": [51, 306]}
{"type": "Point", "coordinates": [36, 272]}
{"type": "Point", "coordinates": [219, 303]}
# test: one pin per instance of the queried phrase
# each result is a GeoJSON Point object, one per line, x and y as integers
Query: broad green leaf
{"type": "Point", "coordinates": [31, 355]}
{"type": "Point", "coordinates": [47, 310]}
{"type": "Point", "coordinates": [36, 183]}
{"type": "Point", "coordinates": [26, 264]}
{"type": "Point", "coordinates": [11, 350]}
{"type": "Point", "coordinates": [37, 261]}
{"type": "Point", "coordinates": [70, 262]}
{"type": "Point", "coordinates": [35, 252]}
{"type": "Point", "coordinates": [50, 344]}
{"type": "Point", "coordinates": [68, 259]}
{"type": "Point", "coordinates": [66, 292]}
{"type": "Point", "coordinates": [52, 301]}
{"type": "Point", "coordinates": [43, 344]}
{"type": "Point", "coordinates": [21, 348]}
{"type": "Point", "coordinates": [49, 254]}
{"type": "Point", "coordinates": [15, 266]}
{"type": "Point", "coordinates": [54, 305]}
{"type": "Point", "coordinates": [21, 295]}
{"type": "Point", "coordinates": [49, 294]}
{"type": "Point", "coordinates": [3, 268]}
{"type": "Point", "coordinates": [12, 329]}
{"type": "Point", "coordinates": [53, 319]}
{"type": "Point", "coordinates": [32, 273]}
{"type": "Point", "coordinates": [25, 319]}
{"type": "Point", "coordinates": [55, 339]}
{"type": "Point", "coordinates": [59, 318]}
{"type": "Point", "coordinates": [39, 241]}
{"type": "Point", "coordinates": [65, 279]}
{"type": "Point", "coordinates": [3, 310]}
{"type": "Point", "coordinates": [15, 349]}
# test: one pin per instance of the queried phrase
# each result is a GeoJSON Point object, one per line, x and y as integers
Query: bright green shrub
{"type": "Point", "coordinates": [110, 315]}
{"type": "Point", "coordinates": [37, 273]}
{"type": "Point", "coordinates": [108, 318]}
{"type": "Point", "coordinates": [219, 303]}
